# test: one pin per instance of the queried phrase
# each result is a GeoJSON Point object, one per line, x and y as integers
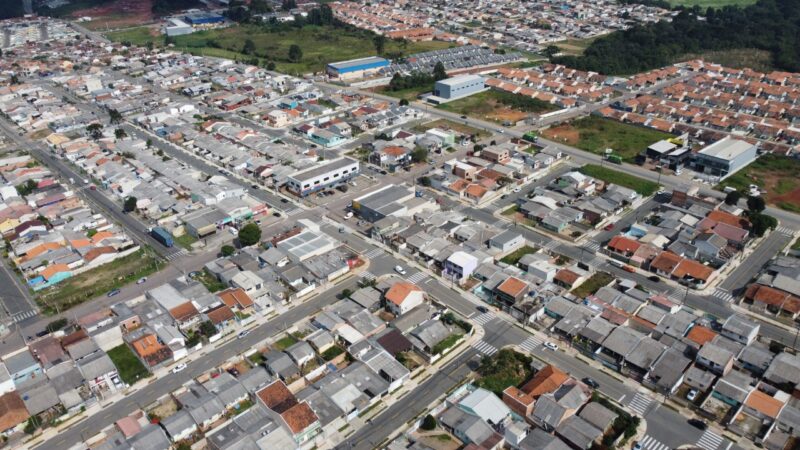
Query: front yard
{"type": "Point", "coordinates": [130, 368]}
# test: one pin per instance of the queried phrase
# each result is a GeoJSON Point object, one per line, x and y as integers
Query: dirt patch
{"type": "Point", "coordinates": [563, 133]}
{"type": "Point", "coordinates": [119, 14]}
{"type": "Point", "coordinates": [502, 114]}
{"type": "Point", "coordinates": [164, 408]}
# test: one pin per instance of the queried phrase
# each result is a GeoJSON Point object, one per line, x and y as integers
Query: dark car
{"type": "Point", "coordinates": [283, 200]}
{"type": "Point", "coordinates": [113, 293]}
{"type": "Point", "coordinates": [463, 117]}
{"type": "Point", "coordinates": [483, 309]}
{"type": "Point", "coordinates": [654, 278]}
{"type": "Point", "coordinates": [276, 214]}
{"type": "Point", "coordinates": [697, 423]}
{"type": "Point", "coordinates": [591, 383]}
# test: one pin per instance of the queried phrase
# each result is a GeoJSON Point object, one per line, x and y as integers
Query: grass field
{"type": "Point", "coordinates": [514, 257]}
{"type": "Point", "coordinates": [596, 134]}
{"type": "Point", "coordinates": [593, 284]}
{"type": "Point", "coordinates": [409, 94]}
{"type": "Point", "coordinates": [130, 368]}
{"type": "Point", "coordinates": [186, 240]}
{"type": "Point", "coordinates": [450, 125]}
{"type": "Point", "coordinates": [711, 3]}
{"type": "Point", "coordinates": [778, 175]}
{"type": "Point", "coordinates": [320, 44]}
{"type": "Point", "coordinates": [575, 46]}
{"type": "Point", "coordinates": [643, 187]}
{"type": "Point", "coordinates": [92, 283]}
{"type": "Point", "coordinates": [497, 106]}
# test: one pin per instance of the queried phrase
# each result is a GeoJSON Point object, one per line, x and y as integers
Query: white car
{"type": "Point", "coordinates": [400, 270]}
{"type": "Point", "coordinates": [243, 334]}
{"type": "Point", "coordinates": [550, 346]}
{"type": "Point", "coordinates": [691, 395]}
{"type": "Point", "coordinates": [178, 368]}
{"type": "Point", "coordinates": [517, 190]}
{"type": "Point", "coordinates": [349, 215]}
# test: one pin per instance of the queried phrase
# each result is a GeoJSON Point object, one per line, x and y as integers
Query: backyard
{"type": "Point", "coordinates": [644, 187]}
{"type": "Point", "coordinates": [497, 106]}
{"type": "Point", "coordinates": [98, 281]}
{"type": "Point", "coordinates": [593, 284]}
{"type": "Point", "coordinates": [774, 173]}
{"type": "Point", "coordinates": [320, 44]}
{"type": "Point", "coordinates": [514, 257]}
{"type": "Point", "coordinates": [128, 365]}
{"type": "Point", "coordinates": [596, 134]}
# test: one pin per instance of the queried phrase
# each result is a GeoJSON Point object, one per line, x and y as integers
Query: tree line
{"type": "Point", "coordinates": [771, 25]}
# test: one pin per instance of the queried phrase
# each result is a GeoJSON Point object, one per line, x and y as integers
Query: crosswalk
{"type": "Point", "coordinates": [176, 255]}
{"type": "Point", "coordinates": [484, 318]}
{"type": "Point", "coordinates": [417, 277]}
{"type": "Point", "coordinates": [551, 245]}
{"type": "Point", "coordinates": [640, 403]}
{"type": "Point", "coordinates": [785, 230]}
{"type": "Point", "coordinates": [20, 316]}
{"type": "Point", "coordinates": [591, 245]}
{"type": "Point", "coordinates": [367, 275]}
{"type": "Point", "coordinates": [722, 294]}
{"type": "Point", "coordinates": [531, 343]}
{"type": "Point", "coordinates": [709, 440]}
{"type": "Point", "coordinates": [293, 211]}
{"type": "Point", "coordinates": [374, 253]}
{"type": "Point", "coordinates": [485, 347]}
{"type": "Point", "coordinates": [651, 443]}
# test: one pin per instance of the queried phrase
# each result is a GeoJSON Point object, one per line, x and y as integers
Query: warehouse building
{"type": "Point", "coordinates": [203, 19]}
{"type": "Point", "coordinates": [387, 201]}
{"type": "Point", "coordinates": [357, 68]}
{"type": "Point", "coordinates": [177, 27]}
{"type": "Point", "coordinates": [725, 157]}
{"type": "Point", "coordinates": [458, 87]}
{"type": "Point", "coordinates": [327, 175]}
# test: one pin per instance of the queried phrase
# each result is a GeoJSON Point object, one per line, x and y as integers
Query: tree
{"type": "Point", "coordinates": [249, 235]}
{"type": "Point", "coordinates": [762, 223]}
{"type": "Point", "coordinates": [249, 47]}
{"type": "Point", "coordinates": [207, 328]}
{"type": "Point", "coordinates": [288, 5]}
{"type": "Point", "coordinates": [438, 72]}
{"type": "Point", "coordinates": [419, 155]}
{"type": "Point", "coordinates": [149, 143]}
{"type": "Point", "coordinates": [551, 51]}
{"type": "Point", "coordinates": [130, 204]}
{"type": "Point", "coordinates": [755, 203]}
{"type": "Point", "coordinates": [403, 102]}
{"type": "Point", "coordinates": [114, 116]}
{"type": "Point", "coordinates": [425, 181]}
{"type": "Point", "coordinates": [428, 423]}
{"type": "Point", "coordinates": [295, 53]}
{"type": "Point", "coordinates": [271, 65]}
{"type": "Point", "coordinates": [259, 7]}
{"type": "Point", "coordinates": [733, 198]}
{"type": "Point", "coordinates": [346, 293]}
{"type": "Point", "coordinates": [227, 250]}
{"type": "Point", "coordinates": [380, 43]}
{"type": "Point", "coordinates": [95, 130]}
{"type": "Point", "coordinates": [56, 325]}
{"type": "Point", "coordinates": [119, 133]}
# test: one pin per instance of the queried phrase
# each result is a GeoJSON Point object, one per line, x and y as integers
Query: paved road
{"type": "Point", "coordinates": [17, 302]}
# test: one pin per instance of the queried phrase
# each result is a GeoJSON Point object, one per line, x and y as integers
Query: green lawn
{"type": "Point", "coordinates": [285, 342]}
{"type": "Point", "coordinates": [320, 44]}
{"type": "Point", "coordinates": [510, 211]}
{"type": "Point", "coordinates": [98, 281]}
{"type": "Point", "coordinates": [593, 284]}
{"type": "Point", "coordinates": [210, 281]}
{"type": "Point", "coordinates": [409, 94]}
{"type": "Point", "coordinates": [596, 134]}
{"type": "Point", "coordinates": [186, 240]}
{"type": "Point", "coordinates": [777, 174]}
{"type": "Point", "coordinates": [497, 106]}
{"type": "Point", "coordinates": [514, 257]}
{"type": "Point", "coordinates": [643, 187]}
{"type": "Point", "coordinates": [711, 3]}
{"type": "Point", "coordinates": [448, 342]}
{"type": "Point", "coordinates": [130, 368]}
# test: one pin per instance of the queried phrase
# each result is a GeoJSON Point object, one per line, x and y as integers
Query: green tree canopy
{"type": "Point", "coordinates": [227, 250]}
{"type": "Point", "coordinates": [249, 235]}
{"type": "Point", "coordinates": [295, 53]}
{"type": "Point", "coordinates": [438, 72]}
{"type": "Point", "coordinates": [762, 223]}
{"type": "Point", "coordinates": [755, 203]}
{"type": "Point", "coordinates": [130, 204]}
{"type": "Point", "coordinates": [733, 197]}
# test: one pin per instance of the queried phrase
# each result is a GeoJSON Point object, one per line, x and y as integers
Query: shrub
{"type": "Point", "coordinates": [428, 423]}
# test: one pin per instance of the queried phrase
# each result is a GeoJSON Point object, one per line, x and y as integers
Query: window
{"type": "Point", "coordinates": [316, 182]}
{"type": "Point", "coordinates": [326, 178]}
{"type": "Point", "coordinates": [306, 185]}
{"type": "Point", "coordinates": [336, 175]}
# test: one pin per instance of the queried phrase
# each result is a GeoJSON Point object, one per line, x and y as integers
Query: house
{"type": "Point", "coordinates": [738, 328]}
{"type": "Point", "coordinates": [203, 406]}
{"type": "Point", "coordinates": [507, 241]}
{"type": "Point", "coordinates": [784, 372]}
{"type": "Point", "coordinates": [579, 433]}
{"type": "Point", "coordinates": [470, 429]}
{"type": "Point", "coordinates": [297, 417]}
{"type": "Point", "coordinates": [179, 426]}
{"type": "Point", "coordinates": [598, 416]}
{"type": "Point", "coordinates": [22, 367]}
{"type": "Point", "coordinates": [733, 388]}
{"type": "Point", "coordinates": [301, 353]}
{"type": "Point", "coordinates": [13, 412]}
{"type": "Point", "coordinates": [486, 405]}
{"type": "Point", "coordinates": [668, 371]}
{"type": "Point", "coordinates": [511, 291]}
{"type": "Point", "coordinates": [460, 266]}
{"type": "Point", "coordinates": [403, 297]}
{"type": "Point", "coordinates": [281, 365]}
{"type": "Point", "coordinates": [237, 300]}
{"type": "Point", "coordinates": [715, 358]}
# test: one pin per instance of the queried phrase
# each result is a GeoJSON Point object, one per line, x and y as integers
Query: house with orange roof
{"type": "Point", "coordinates": [691, 272]}
{"type": "Point", "coordinates": [623, 246]}
{"type": "Point", "coordinates": [546, 381]}
{"type": "Point", "coordinates": [759, 409]}
{"type": "Point", "coordinates": [403, 296]}
{"type": "Point", "coordinates": [298, 417]}
{"type": "Point", "coordinates": [510, 291]}
{"type": "Point", "coordinates": [665, 263]}
{"type": "Point", "coordinates": [518, 400]}
{"type": "Point", "coordinates": [237, 299]}
{"type": "Point", "coordinates": [150, 350]}
{"type": "Point", "coordinates": [185, 315]}
{"type": "Point", "coordinates": [13, 412]}
{"type": "Point", "coordinates": [221, 316]}
{"type": "Point", "coordinates": [700, 335]}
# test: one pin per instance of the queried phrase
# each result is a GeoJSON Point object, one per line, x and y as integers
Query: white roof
{"type": "Point", "coordinates": [727, 148]}
{"type": "Point", "coordinates": [462, 259]}
{"type": "Point", "coordinates": [662, 146]}
{"type": "Point", "coordinates": [486, 405]}
{"type": "Point", "coordinates": [460, 79]}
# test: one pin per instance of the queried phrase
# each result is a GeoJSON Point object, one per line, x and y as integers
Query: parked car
{"type": "Point", "coordinates": [654, 278]}
{"type": "Point", "coordinates": [637, 446]}
{"type": "Point", "coordinates": [697, 423]}
{"type": "Point", "coordinates": [276, 214]}
{"type": "Point", "coordinates": [550, 346]}
{"type": "Point", "coordinates": [283, 200]}
{"type": "Point", "coordinates": [517, 190]}
{"type": "Point", "coordinates": [349, 215]}
{"type": "Point", "coordinates": [243, 334]}
{"type": "Point", "coordinates": [178, 368]}
{"type": "Point", "coordinates": [591, 383]}
{"type": "Point", "coordinates": [400, 270]}
{"type": "Point", "coordinates": [609, 227]}
{"type": "Point", "coordinates": [141, 280]}
{"type": "Point", "coordinates": [113, 293]}
{"type": "Point", "coordinates": [691, 395]}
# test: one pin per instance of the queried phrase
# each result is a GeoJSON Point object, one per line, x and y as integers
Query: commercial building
{"type": "Point", "coordinates": [460, 86]}
{"type": "Point", "coordinates": [387, 201]}
{"type": "Point", "coordinates": [177, 27]}
{"type": "Point", "coordinates": [357, 68]}
{"type": "Point", "coordinates": [203, 19]}
{"type": "Point", "coordinates": [725, 157]}
{"type": "Point", "coordinates": [321, 177]}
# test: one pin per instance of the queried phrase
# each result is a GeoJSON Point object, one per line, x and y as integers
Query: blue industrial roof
{"type": "Point", "coordinates": [359, 64]}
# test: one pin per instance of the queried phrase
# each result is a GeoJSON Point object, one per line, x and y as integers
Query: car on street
{"type": "Point", "coordinates": [349, 215]}
{"type": "Point", "coordinates": [517, 190]}
{"type": "Point", "coordinates": [691, 395]}
{"type": "Point", "coordinates": [233, 231]}
{"type": "Point", "coordinates": [178, 368]}
{"type": "Point", "coordinates": [463, 117]}
{"type": "Point", "coordinates": [400, 270]}
{"type": "Point", "coordinates": [113, 293]}
{"type": "Point", "coordinates": [550, 346]}
{"type": "Point", "coordinates": [243, 334]}
{"type": "Point", "coordinates": [276, 214]}
{"type": "Point", "coordinates": [697, 423]}
{"type": "Point", "coordinates": [254, 186]}
{"type": "Point", "coordinates": [141, 280]}
{"type": "Point", "coordinates": [637, 446]}
{"type": "Point", "coordinates": [283, 200]}
{"type": "Point", "coordinates": [609, 227]}
{"type": "Point", "coordinates": [194, 274]}
{"type": "Point", "coordinates": [591, 383]}
{"type": "Point", "coordinates": [630, 269]}
{"type": "Point", "coordinates": [483, 309]}
{"type": "Point", "coordinates": [654, 278]}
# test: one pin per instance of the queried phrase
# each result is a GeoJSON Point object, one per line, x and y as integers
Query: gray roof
{"type": "Point", "coordinates": [367, 297]}
{"type": "Point", "coordinates": [622, 340]}
{"type": "Point", "coordinates": [548, 411]}
{"type": "Point", "coordinates": [326, 410]}
{"type": "Point", "coordinates": [281, 364]}
{"type": "Point", "coordinates": [735, 385]}
{"type": "Point", "coordinates": [226, 388]}
{"type": "Point", "coordinates": [578, 431]}
{"type": "Point", "coordinates": [365, 379]}
{"type": "Point", "coordinates": [669, 368]}
{"type": "Point", "coordinates": [150, 438]}
{"type": "Point", "coordinates": [300, 350]}
{"type": "Point", "coordinates": [19, 362]}
{"type": "Point", "coordinates": [322, 169]}
{"type": "Point", "coordinates": [431, 333]}
{"type": "Point", "coordinates": [715, 353]}
{"type": "Point", "coordinates": [676, 325]}
{"type": "Point", "coordinates": [784, 368]}
{"type": "Point", "coordinates": [255, 378]}
{"type": "Point", "coordinates": [384, 364]}
{"type": "Point", "coordinates": [40, 398]}
{"type": "Point", "coordinates": [740, 325]}
{"type": "Point", "coordinates": [646, 353]}
{"type": "Point", "coordinates": [698, 378]}
{"type": "Point", "coordinates": [597, 329]}
{"type": "Point", "coordinates": [474, 429]}
{"type": "Point", "coordinates": [538, 439]}
{"type": "Point", "coordinates": [757, 356]}
{"type": "Point", "coordinates": [96, 365]}
{"type": "Point", "coordinates": [598, 415]}
{"type": "Point", "coordinates": [178, 423]}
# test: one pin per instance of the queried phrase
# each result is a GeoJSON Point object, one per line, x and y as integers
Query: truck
{"type": "Point", "coordinates": [530, 136]}
{"type": "Point", "coordinates": [163, 236]}
{"type": "Point", "coordinates": [615, 159]}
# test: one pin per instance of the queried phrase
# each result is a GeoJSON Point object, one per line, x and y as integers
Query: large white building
{"type": "Point", "coordinates": [330, 174]}
{"type": "Point", "coordinates": [725, 157]}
